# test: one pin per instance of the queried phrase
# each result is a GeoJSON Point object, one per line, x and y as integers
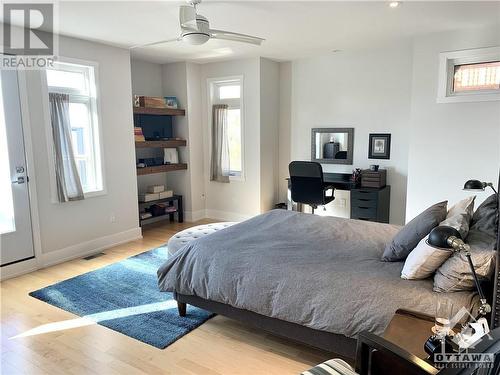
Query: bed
{"type": "Point", "coordinates": [298, 290]}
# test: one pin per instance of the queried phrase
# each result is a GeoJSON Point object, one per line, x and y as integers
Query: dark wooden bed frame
{"type": "Point", "coordinates": [331, 342]}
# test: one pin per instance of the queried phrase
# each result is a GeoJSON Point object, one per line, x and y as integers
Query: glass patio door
{"type": "Point", "coordinates": [16, 238]}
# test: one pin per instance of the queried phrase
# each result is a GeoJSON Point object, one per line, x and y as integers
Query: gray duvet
{"type": "Point", "coordinates": [321, 272]}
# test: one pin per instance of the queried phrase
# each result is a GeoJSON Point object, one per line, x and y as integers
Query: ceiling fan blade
{"type": "Point", "coordinates": [187, 16]}
{"type": "Point", "coordinates": [155, 43]}
{"type": "Point", "coordinates": [227, 35]}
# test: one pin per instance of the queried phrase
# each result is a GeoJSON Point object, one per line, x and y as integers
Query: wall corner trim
{"type": "Point", "coordinates": [193, 216]}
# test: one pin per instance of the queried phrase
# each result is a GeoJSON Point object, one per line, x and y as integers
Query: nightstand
{"type": "Point", "coordinates": [410, 330]}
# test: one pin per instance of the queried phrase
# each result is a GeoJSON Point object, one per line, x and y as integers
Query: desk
{"type": "Point", "coordinates": [370, 204]}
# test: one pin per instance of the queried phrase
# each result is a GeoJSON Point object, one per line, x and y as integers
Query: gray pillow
{"type": "Point", "coordinates": [411, 234]}
{"type": "Point", "coordinates": [484, 225]}
{"type": "Point", "coordinates": [455, 274]}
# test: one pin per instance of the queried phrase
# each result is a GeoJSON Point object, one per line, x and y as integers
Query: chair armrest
{"type": "Point", "coordinates": [393, 357]}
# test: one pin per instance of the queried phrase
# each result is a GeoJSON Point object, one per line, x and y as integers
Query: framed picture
{"type": "Point", "coordinates": [171, 102]}
{"type": "Point", "coordinates": [170, 156]}
{"type": "Point", "coordinates": [380, 146]}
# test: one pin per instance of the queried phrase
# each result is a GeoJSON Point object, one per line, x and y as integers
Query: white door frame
{"type": "Point", "coordinates": [33, 264]}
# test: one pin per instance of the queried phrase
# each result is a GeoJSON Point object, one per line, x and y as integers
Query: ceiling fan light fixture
{"type": "Point", "coordinates": [195, 38]}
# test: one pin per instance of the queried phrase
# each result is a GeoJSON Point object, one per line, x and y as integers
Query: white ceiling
{"type": "Point", "coordinates": [291, 29]}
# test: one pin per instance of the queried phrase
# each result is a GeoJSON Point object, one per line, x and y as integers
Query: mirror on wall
{"type": "Point", "coordinates": [332, 145]}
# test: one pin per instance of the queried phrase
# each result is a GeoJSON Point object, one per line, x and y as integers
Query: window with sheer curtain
{"type": "Point", "coordinates": [79, 82]}
{"type": "Point", "coordinates": [229, 92]}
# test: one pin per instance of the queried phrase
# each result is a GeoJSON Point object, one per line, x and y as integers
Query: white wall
{"type": "Point", "coordinates": [450, 142]}
{"type": "Point", "coordinates": [269, 136]}
{"type": "Point", "coordinates": [146, 78]}
{"type": "Point", "coordinates": [75, 228]}
{"type": "Point", "coordinates": [174, 83]}
{"type": "Point", "coordinates": [196, 151]}
{"type": "Point", "coordinates": [366, 90]}
{"type": "Point", "coordinates": [284, 131]}
{"type": "Point", "coordinates": [238, 199]}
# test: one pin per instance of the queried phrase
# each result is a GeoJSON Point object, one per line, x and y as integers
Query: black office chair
{"type": "Point", "coordinates": [307, 185]}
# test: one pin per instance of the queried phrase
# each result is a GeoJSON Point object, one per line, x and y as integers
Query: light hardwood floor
{"type": "Point", "coordinates": [219, 346]}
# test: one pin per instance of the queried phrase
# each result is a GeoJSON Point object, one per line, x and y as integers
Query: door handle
{"type": "Point", "coordinates": [20, 180]}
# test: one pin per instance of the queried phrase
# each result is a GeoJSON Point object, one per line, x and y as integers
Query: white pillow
{"type": "Point", "coordinates": [460, 215]}
{"type": "Point", "coordinates": [423, 261]}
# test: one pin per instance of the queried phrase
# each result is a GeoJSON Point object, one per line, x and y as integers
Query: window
{"type": "Point", "coordinates": [79, 82]}
{"type": "Point", "coordinates": [477, 77]}
{"type": "Point", "coordinates": [470, 75]}
{"type": "Point", "coordinates": [229, 92]}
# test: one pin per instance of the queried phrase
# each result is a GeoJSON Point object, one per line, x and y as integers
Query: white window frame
{"type": "Point", "coordinates": [212, 84]}
{"type": "Point", "coordinates": [98, 152]}
{"type": "Point", "coordinates": [447, 63]}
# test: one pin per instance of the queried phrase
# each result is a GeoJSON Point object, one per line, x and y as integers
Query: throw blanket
{"type": "Point", "coordinates": [321, 272]}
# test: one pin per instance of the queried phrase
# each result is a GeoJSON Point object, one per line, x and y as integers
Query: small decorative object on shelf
{"type": "Point", "coordinates": [157, 209]}
{"type": "Point", "coordinates": [152, 102]}
{"type": "Point", "coordinates": [148, 197]}
{"type": "Point", "coordinates": [373, 179]}
{"type": "Point", "coordinates": [151, 162]}
{"type": "Point", "coordinates": [166, 194]}
{"type": "Point", "coordinates": [356, 176]}
{"type": "Point", "coordinates": [139, 137]}
{"type": "Point", "coordinates": [145, 215]}
{"type": "Point", "coordinates": [156, 188]}
{"type": "Point", "coordinates": [171, 102]}
{"type": "Point", "coordinates": [379, 146]}
{"type": "Point", "coordinates": [170, 156]}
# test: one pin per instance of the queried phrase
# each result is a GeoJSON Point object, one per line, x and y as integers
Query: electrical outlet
{"type": "Point", "coordinates": [112, 218]}
{"type": "Point", "coordinates": [342, 202]}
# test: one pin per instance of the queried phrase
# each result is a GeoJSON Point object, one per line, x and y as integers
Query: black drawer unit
{"type": "Point", "coordinates": [372, 204]}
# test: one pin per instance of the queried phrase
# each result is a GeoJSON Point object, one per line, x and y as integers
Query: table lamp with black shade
{"type": "Point", "coordinates": [445, 237]}
{"type": "Point", "coordinates": [476, 185]}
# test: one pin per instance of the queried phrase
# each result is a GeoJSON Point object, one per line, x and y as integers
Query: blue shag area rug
{"type": "Point", "coordinates": [124, 296]}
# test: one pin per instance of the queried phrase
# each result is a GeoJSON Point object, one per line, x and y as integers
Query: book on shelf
{"type": "Point", "coordinates": [139, 137]}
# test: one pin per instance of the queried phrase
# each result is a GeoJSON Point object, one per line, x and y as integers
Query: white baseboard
{"type": "Point", "coordinates": [18, 269]}
{"type": "Point", "coordinates": [192, 216]}
{"type": "Point", "coordinates": [89, 247]}
{"type": "Point", "coordinates": [226, 216]}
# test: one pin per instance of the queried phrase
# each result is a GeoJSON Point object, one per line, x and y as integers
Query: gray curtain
{"type": "Point", "coordinates": [69, 186]}
{"type": "Point", "coordinates": [219, 167]}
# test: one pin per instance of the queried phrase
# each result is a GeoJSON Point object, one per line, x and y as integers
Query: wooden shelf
{"type": "Point", "coordinates": [161, 144]}
{"type": "Point", "coordinates": [154, 219]}
{"type": "Point", "coordinates": [159, 111]}
{"type": "Point", "coordinates": [161, 169]}
{"type": "Point", "coordinates": [173, 198]}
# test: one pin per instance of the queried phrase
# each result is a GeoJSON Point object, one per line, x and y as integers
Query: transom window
{"type": "Point", "coordinates": [229, 92]}
{"type": "Point", "coordinates": [469, 75]}
{"type": "Point", "coordinates": [78, 81]}
{"type": "Point", "coordinates": [477, 77]}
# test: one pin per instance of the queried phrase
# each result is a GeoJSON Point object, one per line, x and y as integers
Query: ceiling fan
{"type": "Point", "coordinates": [195, 29]}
